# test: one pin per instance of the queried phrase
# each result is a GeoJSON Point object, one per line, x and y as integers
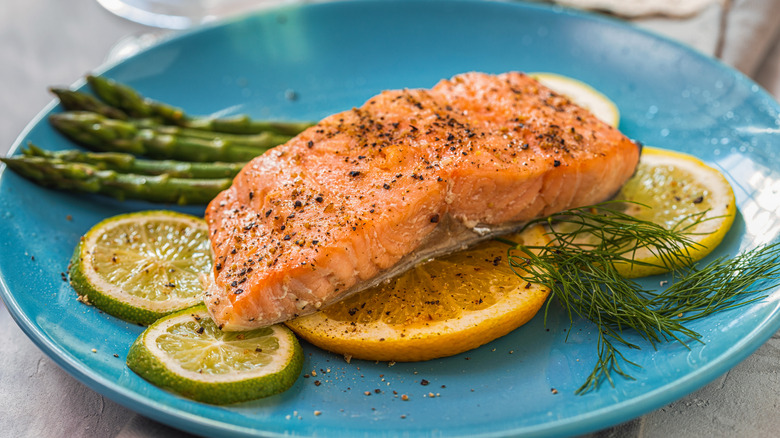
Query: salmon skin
{"type": "Point", "coordinates": [411, 174]}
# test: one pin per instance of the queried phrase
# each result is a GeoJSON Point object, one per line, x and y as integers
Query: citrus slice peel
{"type": "Point", "coordinates": [143, 265]}
{"type": "Point", "coordinates": [188, 354]}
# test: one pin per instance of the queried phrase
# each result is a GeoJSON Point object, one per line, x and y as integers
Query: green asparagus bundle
{"type": "Point", "coordinates": [87, 178]}
{"type": "Point", "coordinates": [189, 158]}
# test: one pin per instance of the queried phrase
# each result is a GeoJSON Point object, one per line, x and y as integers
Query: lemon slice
{"type": "Point", "coordinates": [583, 95]}
{"type": "Point", "coordinates": [440, 308]}
{"type": "Point", "coordinates": [188, 354]}
{"type": "Point", "coordinates": [141, 266]}
{"type": "Point", "coordinates": [675, 188]}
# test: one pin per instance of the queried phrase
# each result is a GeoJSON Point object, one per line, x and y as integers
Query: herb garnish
{"type": "Point", "coordinates": [581, 274]}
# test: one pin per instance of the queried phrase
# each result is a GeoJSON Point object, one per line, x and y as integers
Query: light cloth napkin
{"type": "Point", "coordinates": [641, 8]}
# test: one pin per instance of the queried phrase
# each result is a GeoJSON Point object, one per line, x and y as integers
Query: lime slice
{"type": "Point", "coordinates": [141, 266]}
{"type": "Point", "coordinates": [188, 354]}
{"type": "Point", "coordinates": [583, 95]}
{"type": "Point", "coordinates": [675, 189]}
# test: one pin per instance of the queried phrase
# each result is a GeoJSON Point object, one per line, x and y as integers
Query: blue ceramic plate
{"type": "Point", "coordinates": [334, 56]}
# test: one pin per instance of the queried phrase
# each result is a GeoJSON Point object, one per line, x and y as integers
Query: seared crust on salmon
{"type": "Point", "coordinates": [410, 174]}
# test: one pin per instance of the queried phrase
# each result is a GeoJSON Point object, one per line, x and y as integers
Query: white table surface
{"type": "Point", "coordinates": [55, 42]}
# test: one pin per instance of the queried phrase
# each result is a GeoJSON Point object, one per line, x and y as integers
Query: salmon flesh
{"type": "Point", "coordinates": [367, 193]}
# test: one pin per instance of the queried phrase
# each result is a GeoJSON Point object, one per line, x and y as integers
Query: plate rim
{"type": "Point", "coordinates": [592, 420]}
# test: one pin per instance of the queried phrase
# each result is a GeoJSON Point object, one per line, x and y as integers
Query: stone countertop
{"type": "Point", "coordinates": [50, 42]}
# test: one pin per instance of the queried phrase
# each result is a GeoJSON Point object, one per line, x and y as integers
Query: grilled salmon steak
{"type": "Point", "coordinates": [366, 193]}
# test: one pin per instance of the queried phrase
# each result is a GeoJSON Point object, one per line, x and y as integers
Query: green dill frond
{"type": "Point", "coordinates": [579, 266]}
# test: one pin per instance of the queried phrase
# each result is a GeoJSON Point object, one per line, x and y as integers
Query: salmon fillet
{"type": "Point", "coordinates": [367, 193]}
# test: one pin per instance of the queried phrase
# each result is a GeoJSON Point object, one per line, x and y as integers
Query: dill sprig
{"type": "Point", "coordinates": [578, 265]}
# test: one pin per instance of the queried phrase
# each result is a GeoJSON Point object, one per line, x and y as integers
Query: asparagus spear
{"type": "Point", "coordinates": [109, 135]}
{"type": "Point", "coordinates": [239, 125]}
{"type": "Point", "coordinates": [127, 163]}
{"type": "Point", "coordinates": [243, 124]}
{"type": "Point", "coordinates": [127, 99]}
{"type": "Point", "coordinates": [89, 119]}
{"type": "Point", "coordinates": [75, 101]}
{"type": "Point", "coordinates": [264, 140]}
{"type": "Point", "coordinates": [87, 178]}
